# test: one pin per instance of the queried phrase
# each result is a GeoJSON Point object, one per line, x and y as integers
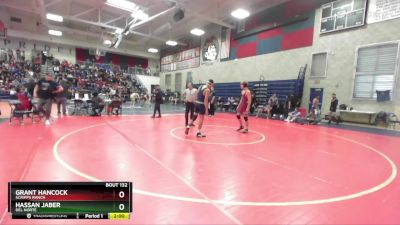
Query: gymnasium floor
{"type": "Point", "coordinates": [279, 173]}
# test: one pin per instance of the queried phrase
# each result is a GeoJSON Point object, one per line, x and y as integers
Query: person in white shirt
{"type": "Point", "coordinates": [134, 97]}
{"type": "Point", "coordinates": [293, 116]}
{"type": "Point", "coordinates": [190, 96]}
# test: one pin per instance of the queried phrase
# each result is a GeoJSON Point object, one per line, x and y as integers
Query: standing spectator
{"type": "Point", "coordinates": [332, 109]}
{"type": "Point", "coordinates": [158, 101]}
{"type": "Point", "coordinates": [134, 98]}
{"type": "Point", "coordinates": [273, 102]}
{"type": "Point", "coordinates": [213, 102]}
{"type": "Point", "coordinates": [190, 96]}
{"type": "Point", "coordinates": [315, 109]}
{"type": "Point", "coordinates": [293, 102]}
{"type": "Point", "coordinates": [30, 86]}
{"type": "Point", "coordinates": [61, 98]}
{"type": "Point", "coordinates": [98, 105]}
{"type": "Point", "coordinates": [45, 90]}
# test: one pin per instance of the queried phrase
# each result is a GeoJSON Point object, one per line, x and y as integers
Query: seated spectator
{"type": "Point", "coordinates": [227, 104]}
{"type": "Point", "coordinates": [114, 105]}
{"type": "Point", "coordinates": [220, 103]}
{"type": "Point", "coordinates": [23, 98]}
{"type": "Point", "coordinates": [266, 109]}
{"type": "Point", "coordinates": [293, 116]}
{"type": "Point", "coordinates": [98, 105]}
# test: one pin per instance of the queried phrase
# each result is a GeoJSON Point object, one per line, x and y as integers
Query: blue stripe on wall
{"type": "Point", "coordinates": [269, 45]}
{"type": "Point", "coordinates": [301, 25]}
{"type": "Point", "coordinates": [245, 40]}
{"type": "Point", "coordinates": [233, 54]}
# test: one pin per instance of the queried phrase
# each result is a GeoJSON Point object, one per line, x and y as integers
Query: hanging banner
{"type": "Point", "coordinates": [225, 43]}
{"type": "Point", "coordinates": [210, 51]}
{"type": "Point", "coordinates": [3, 30]}
{"type": "Point", "coordinates": [381, 10]}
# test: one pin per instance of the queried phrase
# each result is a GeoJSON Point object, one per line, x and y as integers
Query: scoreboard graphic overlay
{"type": "Point", "coordinates": [70, 200]}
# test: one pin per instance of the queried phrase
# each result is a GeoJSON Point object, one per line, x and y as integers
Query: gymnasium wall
{"type": "Point", "coordinates": [291, 36]}
{"type": "Point", "coordinates": [260, 54]}
{"type": "Point", "coordinates": [116, 59]}
{"type": "Point", "coordinates": [286, 64]}
{"type": "Point", "coordinates": [60, 52]}
{"type": "Point", "coordinates": [147, 81]}
{"type": "Point", "coordinates": [341, 63]}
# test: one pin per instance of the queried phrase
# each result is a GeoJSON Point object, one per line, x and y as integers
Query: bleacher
{"type": "Point", "coordinates": [5, 96]}
{"type": "Point", "coordinates": [282, 88]}
{"type": "Point", "coordinates": [225, 90]}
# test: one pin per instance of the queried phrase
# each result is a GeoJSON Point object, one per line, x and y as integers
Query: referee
{"type": "Point", "coordinates": [158, 101]}
{"type": "Point", "coordinates": [190, 96]}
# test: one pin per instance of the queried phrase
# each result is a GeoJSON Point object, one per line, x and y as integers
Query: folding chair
{"type": "Point", "coordinates": [88, 106]}
{"type": "Point", "coordinates": [19, 114]}
{"type": "Point", "coordinates": [79, 107]}
{"type": "Point", "coordinates": [393, 120]}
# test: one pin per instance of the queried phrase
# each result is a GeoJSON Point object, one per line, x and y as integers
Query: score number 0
{"type": "Point", "coordinates": [121, 194]}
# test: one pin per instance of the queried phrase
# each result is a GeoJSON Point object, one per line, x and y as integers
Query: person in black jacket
{"type": "Point", "coordinates": [332, 109]}
{"type": "Point", "coordinates": [158, 101]}
{"type": "Point", "coordinates": [98, 105]}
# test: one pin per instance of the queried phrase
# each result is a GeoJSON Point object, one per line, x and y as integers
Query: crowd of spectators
{"type": "Point", "coordinates": [18, 75]}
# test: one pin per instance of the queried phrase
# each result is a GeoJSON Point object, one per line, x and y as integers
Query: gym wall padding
{"type": "Point", "coordinates": [296, 35]}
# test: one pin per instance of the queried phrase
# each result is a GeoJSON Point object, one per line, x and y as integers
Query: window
{"type": "Point", "coordinates": [319, 64]}
{"type": "Point", "coordinates": [178, 82]}
{"type": "Point", "coordinates": [168, 81]}
{"type": "Point", "coordinates": [375, 70]}
{"type": "Point", "coordinates": [189, 78]}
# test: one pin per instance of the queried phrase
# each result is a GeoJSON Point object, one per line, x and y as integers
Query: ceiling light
{"type": "Point", "coordinates": [152, 50]}
{"type": "Point", "coordinates": [140, 15]}
{"type": "Point", "coordinates": [107, 42]}
{"type": "Point", "coordinates": [55, 32]}
{"type": "Point", "coordinates": [240, 13]}
{"type": "Point", "coordinates": [171, 43]}
{"type": "Point", "coordinates": [54, 17]}
{"type": "Point", "coordinates": [197, 32]}
{"type": "Point", "coordinates": [122, 4]}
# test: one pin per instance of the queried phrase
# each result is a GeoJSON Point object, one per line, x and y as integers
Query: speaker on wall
{"type": "Point", "coordinates": [179, 15]}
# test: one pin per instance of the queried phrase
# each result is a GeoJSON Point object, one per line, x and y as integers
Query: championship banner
{"type": "Point", "coordinates": [210, 50]}
{"type": "Point", "coordinates": [381, 10]}
{"type": "Point", "coordinates": [225, 43]}
{"type": "Point", "coordinates": [3, 30]}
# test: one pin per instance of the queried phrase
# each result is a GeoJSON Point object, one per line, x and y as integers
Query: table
{"type": "Point", "coordinates": [356, 116]}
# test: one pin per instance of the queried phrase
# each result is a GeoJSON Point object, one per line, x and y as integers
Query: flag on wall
{"type": "Point", "coordinates": [3, 30]}
{"type": "Point", "coordinates": [225, 43]}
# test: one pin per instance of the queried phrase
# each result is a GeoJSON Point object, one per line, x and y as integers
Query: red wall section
{"type": "Point", "coordinates": [246, 50]}
{"type": "Point", "coordinates": [269, 34]}
{"type": "Point", "coordinates": [298, 39]}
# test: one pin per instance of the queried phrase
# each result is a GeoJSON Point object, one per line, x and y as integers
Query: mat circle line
{"type": "Point", "coordinates": [376, 188]}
